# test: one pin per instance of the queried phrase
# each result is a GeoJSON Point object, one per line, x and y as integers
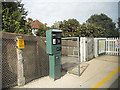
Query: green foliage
{"type": "Point", "coordinates": [56, 25]}
{"type": "Point", "coordinates": [72, 28]}
{"type": "Point", "coordinates": [96, 26]}
{"type": "Point", "coordinates": [13, 18]}
{"type": "Point", "coordinates": [53, 27]}
{"type": "Point", "coordinates": [69, 27]}
{"type": "Point", "coordinates": [116, 32]}
{"type": "Point", "coordinates": [90, 30]}
{"type": "Point", "coordinates": [105, 22]}
{"type": "Point", "coordinates": [117, 29]}
{"type": "Point", "coordinates": [42, 30]}
{"type": "Point", "coordinates": [119, 22]}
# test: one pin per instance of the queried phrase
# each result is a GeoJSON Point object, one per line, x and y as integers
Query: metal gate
{"type": "Point", "coordinates": [70, 58]}
{"type": "Point", "coordinates": [86, 48]}
{"type": "Point", "coordinates": [108, 46]}
{"type": "Point", "coordinates": [90, 47]}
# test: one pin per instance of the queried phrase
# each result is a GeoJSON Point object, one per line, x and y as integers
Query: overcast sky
{"type": "Point", "coordinates": [49, 11]}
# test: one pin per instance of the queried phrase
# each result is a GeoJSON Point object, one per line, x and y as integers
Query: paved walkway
{"type": "Point", "coordinates": [98, 69]}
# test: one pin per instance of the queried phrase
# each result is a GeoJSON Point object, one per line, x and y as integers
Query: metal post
{"type": "Point", "coordinates": [84, 49]}
{"type": "Point", "coordinates": [0, 60]}
{"type": "Point", "coordinates": [20, 72]}
{"type": "Point", "coordinates": [106, 49]}
{"type": "Point", "coordinates": [78, 42]}
{"type": "Point", "coordinates": [81, 48]}
{"type": "Point", "coordinates": [0, 46]}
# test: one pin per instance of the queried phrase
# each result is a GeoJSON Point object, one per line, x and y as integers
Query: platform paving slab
{"type": "Point", "coordinates": [97, 70]}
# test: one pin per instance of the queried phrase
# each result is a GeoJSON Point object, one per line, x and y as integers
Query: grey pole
{"type": "Point", "coordinates": [20, 70]}
{"type": "Point", "coordinates": [78, 41]}
{"type": "Point", "coordinates": [0, 60]}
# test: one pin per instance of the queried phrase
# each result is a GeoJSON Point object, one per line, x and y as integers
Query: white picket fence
{"type": "Point", "coordinates": [90, 47]}
{"type": "Point", "coordinates": [111, 48]}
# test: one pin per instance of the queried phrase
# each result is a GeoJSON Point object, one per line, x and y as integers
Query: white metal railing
{"type": "Point", "coordinates": [112, 46]}
{"type": "Point", "coordinates": [93, 47]}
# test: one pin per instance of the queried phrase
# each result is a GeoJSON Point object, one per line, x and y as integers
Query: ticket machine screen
{"type": "Point", "coordinates": [56, 38]}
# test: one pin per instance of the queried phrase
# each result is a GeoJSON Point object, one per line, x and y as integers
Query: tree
{"type": "Point", "coordinates": [90, 30]}
{"type": "Point", "coordinates": [69, 27]}
{"type": "Point", "coordinates": [105, 22]}
{"type": "Point", "coordinates": [117, 29]}
{"type": "Point", "coordinates": [119, 22]}
{"type": "Point", "coordinates": [72, 28]}
{"type": "Point", "coordinates": [42, 30]}
{"type": "Point", "coordinates": [52, 27]}
{"type": "Point", "coordinates": [13, 18]}
{"type": "Point", "coordinates": [57, 24]}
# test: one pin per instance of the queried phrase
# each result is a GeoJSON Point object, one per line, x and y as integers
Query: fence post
{"type": "Point", "coordinates": [117, 48]}
{"type": "Point", "coordinates": [95, 47]}
{"type": "Point", "coordinates": [0, 60]}
{"type": "Point", "coordinates": [113, 47]}
{"type": "Point", "coordinates": [81, 49]}
{"type": "Point", "coordinates": [84, 49]}
{"type": "Point", "coordinates": [78, 42]}
{"type": "Point", "coordinates": [86, 42]}
{"type": "Point", "coordinates": [20, 72]}
{"type": "Point", "coordinates": [106, 47]}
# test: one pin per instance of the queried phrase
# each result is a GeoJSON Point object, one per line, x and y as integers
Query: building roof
{"type": "Point", "coordinates": [36, 23]}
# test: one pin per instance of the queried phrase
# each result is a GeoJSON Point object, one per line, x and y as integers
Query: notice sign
{"type": "Point", "coordinates": [117, 44]}
{"type": "Point", "coordinates": [21, 44]}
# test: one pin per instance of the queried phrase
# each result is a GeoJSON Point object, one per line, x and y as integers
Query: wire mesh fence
{"type": "Point", "coordinates": [35, 58]}
{"type": "Point", "coordinates": [9, 62]}
{"type": "Point", "coordinates": [35, 61]}
{"type": "Point", "coordinates": [75, 51]}
{"type": "Point", "coordinates": [70, 58]}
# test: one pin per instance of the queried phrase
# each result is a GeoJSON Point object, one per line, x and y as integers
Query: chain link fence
{"type": "Point", "coordinates": [9, 61]}
{"type": "Point", "coordinates": [35, 58]}
{"type": "Point", "coordinates": [35, 61]}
